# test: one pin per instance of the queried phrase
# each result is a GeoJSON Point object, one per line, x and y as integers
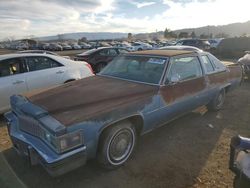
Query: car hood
{"type": "Point", "coordinates": [91, 97]}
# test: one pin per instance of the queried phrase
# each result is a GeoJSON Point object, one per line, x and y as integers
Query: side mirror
{"type": "Point", "coordinates": [174, 79]}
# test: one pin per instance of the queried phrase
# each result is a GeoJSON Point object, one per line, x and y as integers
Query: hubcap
{"type": "Point", "coordinates": [121, 146]}
{"type": "Point", "coordinates": [220, 100]}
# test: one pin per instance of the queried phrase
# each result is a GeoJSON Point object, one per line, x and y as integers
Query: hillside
{"type": "Point", "coordinates": [233, 30]}
{"type": "Point", "coordinates": [88, 35]}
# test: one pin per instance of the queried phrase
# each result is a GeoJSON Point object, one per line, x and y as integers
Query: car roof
{"type": "Point", "coordinates": [181, 47]}
{"type": "Point", "coordinates": [168, 53]}
{"type": "Point", "coordinates": [16, 55]}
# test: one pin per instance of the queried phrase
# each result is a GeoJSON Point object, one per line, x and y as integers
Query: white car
{"type": "Point", "coordinates": [21, 73]}
{"type": "Point", "coordinates": [138, 46]}
{"type": "Point", "coordinates": [126, 46]}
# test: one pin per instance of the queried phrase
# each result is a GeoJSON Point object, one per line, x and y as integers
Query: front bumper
{"type": "Point", "coordinates": [38, 152]}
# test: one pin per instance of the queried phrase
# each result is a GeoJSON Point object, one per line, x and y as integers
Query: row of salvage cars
{"type": "Point", "coordinates": [102, 116]}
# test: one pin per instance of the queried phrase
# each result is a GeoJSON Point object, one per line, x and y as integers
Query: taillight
{"type": "Point", "coordinates": [89, 66]}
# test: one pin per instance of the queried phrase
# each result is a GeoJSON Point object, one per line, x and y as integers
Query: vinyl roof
{"type": "Point", "coordinates": [167, 53]}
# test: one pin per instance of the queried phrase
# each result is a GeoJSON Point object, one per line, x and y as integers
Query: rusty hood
{"type": "Point", "coordinates": [90, 97]}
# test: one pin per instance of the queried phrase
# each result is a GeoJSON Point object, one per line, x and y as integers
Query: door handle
{"type": "Point", "coordinates": [59, 72]}
{"type": "Point", "coordinates": [18, 82]}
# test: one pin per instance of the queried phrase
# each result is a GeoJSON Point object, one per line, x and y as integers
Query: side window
{"type": "Point", "coordinates": [103, 52]}
{"type": "Point", "coordinates": [208, 65]}
{"type": "Point", "coordinates": [112, 52]}
{"type": "Point", "coordinates": [184, 68]}
{"type": "Point", "coordinates": [40, 63]}
{"type": "Point", "coordinates": [122, 51]}
{"type": "Point", "coordinates": [11, 67]}
{"type": "Point", "coordinates": [217, 63]}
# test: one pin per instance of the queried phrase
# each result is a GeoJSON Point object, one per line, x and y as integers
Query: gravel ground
{"type": "Point", "coordinates": [192, 151]}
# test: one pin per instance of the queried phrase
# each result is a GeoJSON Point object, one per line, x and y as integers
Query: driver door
{"type": "Point", "coordinates": [183, 87]}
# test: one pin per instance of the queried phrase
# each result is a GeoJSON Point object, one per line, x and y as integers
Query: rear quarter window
{"type": "Point", "coordinates": [219, 66]}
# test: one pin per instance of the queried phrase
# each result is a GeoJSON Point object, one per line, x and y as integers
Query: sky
{"type": "Point", "coordinates": [25, 18]}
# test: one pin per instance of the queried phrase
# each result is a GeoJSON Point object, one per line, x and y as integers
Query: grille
{"type": "Point", "coordinates": [31, 126]}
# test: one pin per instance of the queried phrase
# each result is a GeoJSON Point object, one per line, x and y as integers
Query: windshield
{"type": "Point", "coordinates": [138, 68]}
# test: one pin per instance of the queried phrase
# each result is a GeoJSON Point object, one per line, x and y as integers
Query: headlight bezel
{"type": "Point", "coordinates": [71, 140]}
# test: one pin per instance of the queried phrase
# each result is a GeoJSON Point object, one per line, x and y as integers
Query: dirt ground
{"type": "Point", "coordinates": [190, 152]}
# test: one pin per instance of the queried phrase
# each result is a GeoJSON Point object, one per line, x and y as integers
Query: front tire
{"type": "Point", "coordinates": [217, 103]}
{"type": "Point", "coordinates": [117, 145]}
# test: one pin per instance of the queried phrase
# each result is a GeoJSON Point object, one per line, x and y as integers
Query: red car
{"type": "Point", "coordinates": [98, 58]}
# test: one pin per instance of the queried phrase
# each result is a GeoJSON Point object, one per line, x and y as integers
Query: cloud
{"type": "Point", "coordinates": [21, 18]}
{"type": "Point", "coordinates": [143, 4]}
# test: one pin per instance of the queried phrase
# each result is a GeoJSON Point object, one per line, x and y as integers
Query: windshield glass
{"type": "Point", "coordinates": [138, 68]}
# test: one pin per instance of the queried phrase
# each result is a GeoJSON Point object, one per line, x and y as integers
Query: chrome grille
{"type": "Point", "coordinates": [31, 126]}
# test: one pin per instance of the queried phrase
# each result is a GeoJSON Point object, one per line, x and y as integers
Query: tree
{"type": "Point", "coordinates": [130, 36]}
{"type": "Point", "coordinates": [204, 36]}
{"type": "Point", "coordinates": [169, 34]}
{"type": "Point", "coordinates": [222, 35]}
{"type": "Point", "coordinates": [183, 35]}
{"type": "Point", "coordinates": [193, 35]}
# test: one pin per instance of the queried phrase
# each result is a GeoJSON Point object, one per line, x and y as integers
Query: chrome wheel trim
{"type": "Point", "coordinates": [128, 149]}
{"type": "Point", "coordinates": [220, 100]}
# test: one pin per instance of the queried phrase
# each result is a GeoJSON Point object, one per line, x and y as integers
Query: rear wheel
{"type": "Point", "coordinates": [116, 145]}
{"type": "Point", "coordinates": [217, 103]}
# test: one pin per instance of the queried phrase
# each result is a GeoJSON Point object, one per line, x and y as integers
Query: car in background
{"type": "Point", "coordinates": [76, 47]}
{"type": "Point", "coordinates": [188, 48]}
{"type": "Point", "coordinates": [55, 47]}
{"type": "Point", "coordinates": [139, 46]}
{"type": "Point", "coordinates": [199, 43]}
{"type": "Point", "coordinates": [101, 117]}
{"type": "Point", "coordinates": [127, 46]}
{"type": "Point", "coordinates": [245, 63]}
{"type": "Point", "coordinates": [24, 72]}
{"type": "Point", "coordinates": [84, 45]}
{"type": "Point", "coordinates": [214, 43]}
{"type": "Point", "coordinates": [98, 58]}
{"type": "Point", "coordinates": [22, 46]}
{"type": "Point", "coordinates": [66, 46]}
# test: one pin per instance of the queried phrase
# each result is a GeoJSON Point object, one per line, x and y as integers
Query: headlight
{"type": "Point", "coordinates": [65, 142]}
{"type": "Point", "coordinates": [70, 141]}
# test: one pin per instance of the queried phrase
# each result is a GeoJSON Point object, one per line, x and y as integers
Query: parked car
{"type": "Point", "coordinates": [55, 47]}
{"type": "Point", "coordinates": [138, 46]}
{"type": "Point", "coordinates": [239, 162]}
{"type": "Point", "coordinates": [245, 63]}
{"type": "Point", "coordinates": [84, 45]}
{"type": "Point", "coordinates": [189, 48]}
{"type": "Point", "coordinates": [127, 46]}
{"type": "Point", "coordinates": [22, 46]}
{"type": "Point", "coordinates": [199, 43]}
{"type": "Point", "coordinates": [100, 57]}
{"type": "Point", "coordinates": [20, 73]}
{"type": "Point", "coordinates": [102, 116]}
{"type": "Point", "coordinates": [66, 46]}
{"type": "Point", "coordinates": [76, 47]}
{"type": "Point", "coordinates": [214, 43]}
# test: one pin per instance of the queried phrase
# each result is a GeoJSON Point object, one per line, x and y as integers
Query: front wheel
{"type": "Point", "coordinates": [217, 103]}
{"type": "Point", "coordinates": [116, 145]}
